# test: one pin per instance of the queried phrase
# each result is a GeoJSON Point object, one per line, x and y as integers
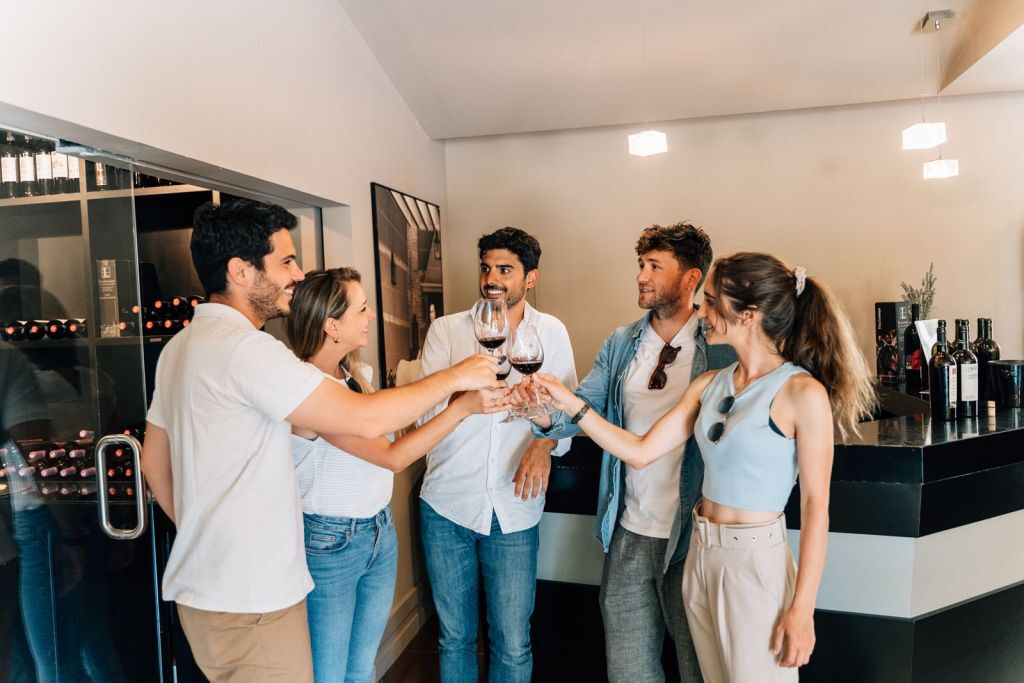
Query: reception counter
{"type": "Point", "coordinates": [924, 579]}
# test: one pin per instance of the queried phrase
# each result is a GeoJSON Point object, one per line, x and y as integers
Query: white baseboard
{"type": "Point", "coordinates": [408, 616]}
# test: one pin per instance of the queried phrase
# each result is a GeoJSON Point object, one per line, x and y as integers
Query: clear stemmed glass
{"type": "Point", "coordinates": [490, 323]}
{"type": "Point", "coordinates": [526, 354]}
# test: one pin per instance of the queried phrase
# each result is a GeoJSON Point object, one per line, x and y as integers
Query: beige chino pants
{"type": "Point", "coordinates": [237, 648]}
{"type": "Point", "coordinates": [737, 581]}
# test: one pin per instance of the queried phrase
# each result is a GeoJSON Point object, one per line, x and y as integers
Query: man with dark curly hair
{"type": "Point", "coordinates": [483, 493]}
{"type": "Point", "coordinates": [643, 516]}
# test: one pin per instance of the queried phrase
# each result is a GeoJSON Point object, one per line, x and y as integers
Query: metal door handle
{"type": "Point", "coordinates": [101, 487]}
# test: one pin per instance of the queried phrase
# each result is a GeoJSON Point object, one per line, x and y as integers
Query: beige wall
{"type": "Point", "coordinates": [283, 91]}
{"type": "Point", "coordinates": [828, 189]}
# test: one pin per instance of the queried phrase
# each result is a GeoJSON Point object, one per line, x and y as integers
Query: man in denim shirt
{"type": "Point", "coordinates": [643, 516]}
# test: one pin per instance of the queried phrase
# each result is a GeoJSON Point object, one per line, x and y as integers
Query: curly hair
{"type": "Point", "coordinates": [241, 228]}
{"type": "Point", "coordinates": [524, 245]}
{"type": "Point", "coordinates": [690, 244]}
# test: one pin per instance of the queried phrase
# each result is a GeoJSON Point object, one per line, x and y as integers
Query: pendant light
{"type": "Point", "coordinates": [650, 141]}
{"type": "Point", "coordinates": [927, 134]}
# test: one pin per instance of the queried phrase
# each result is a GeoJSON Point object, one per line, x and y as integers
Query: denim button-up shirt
{"type": "Point", "coordinates": [602, 390]}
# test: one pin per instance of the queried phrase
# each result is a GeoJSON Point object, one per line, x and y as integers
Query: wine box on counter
{"type": "Point", "coordinates": [891, 320]}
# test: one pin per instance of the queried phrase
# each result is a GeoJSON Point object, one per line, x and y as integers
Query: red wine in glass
{"type": "Point", "coordinates": [491, 343]}
{"type": "Point", "coordinates": [527, 367]}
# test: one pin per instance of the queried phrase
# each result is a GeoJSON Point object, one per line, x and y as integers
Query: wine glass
{"type": "Point", "coordinates": [526, 354]}
{"type": "Point", "coordinates": [490, 323]}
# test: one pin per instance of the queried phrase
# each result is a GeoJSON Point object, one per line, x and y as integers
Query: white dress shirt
{"type": "Point", "coordinates": [223, 390]}
{"type": "Point", "coordinates": [652, 493]}
{"type": "Point", "coordinates": [469, 474]}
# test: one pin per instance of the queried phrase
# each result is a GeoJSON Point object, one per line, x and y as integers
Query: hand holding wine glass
{"type": "Point", "coordinates": [557, 393]}
{"type": "Point", "coordinates": [526, 353]}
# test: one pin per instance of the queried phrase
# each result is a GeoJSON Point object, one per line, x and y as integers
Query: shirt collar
{"type": "Point", "coordinates": [696, 331]}
{"type": "Point", "coordinates": [223, 312]}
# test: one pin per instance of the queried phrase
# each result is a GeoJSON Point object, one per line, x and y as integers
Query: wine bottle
{"type": "Point", "coordinates": [151, 326]}
{"type": "Point", "coordinates": [986, 349]}
{"type": "Point", "coordinates": [195, 300]}
{"type": "Point", "coordinates": [35, 330]}
{"type": "Point", "coordinates": [68, 489]}
{"type": "Point", "coordinates": [76, 327]}
{"type": "Point", "coordinates": [73, 174]}
{"type": "Point", "coordinates": [966, 372]}
{"type": "Point", "coordinates": [954, 343]}
{"type": "Point", "coordinates": [9, 167]}
{"type": "Point", "coordinates": [100, 177]}
{"type": "Point", "coordinates": [59, 164]}
{"type": "Point", "coordinates": [158, 308]}
{"type": "Point", "coordinates": [913, 353]}
{"type": "Point", "coordinates": [171, 325]}
{"type": "Point", "coordinates": [27, 170]}
{"type": "Point", "coordinates": [15, 330]}
{"type": "Point", "coordinates": [44, 168]}
{"type": "Point", "coordinates": [943, 378]}
{"type": "Point", "coordinates": [55, 329]}
{"type": "Point", "coordinates": [178, 306]}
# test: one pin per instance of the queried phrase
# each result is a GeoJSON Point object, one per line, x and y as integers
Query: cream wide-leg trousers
{"type": "Point", "coordinates": [736, 582]}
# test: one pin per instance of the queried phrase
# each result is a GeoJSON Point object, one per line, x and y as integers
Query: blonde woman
{"type": "Point", "coordinates": [346, 482]}
{"type": "Point", "coordinates": [759, 423]}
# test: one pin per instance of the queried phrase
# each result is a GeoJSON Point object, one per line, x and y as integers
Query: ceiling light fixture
{"type": "Point", "coordinates": [650, 141]}
{"type": "Point", "coordinates": [926, 135]}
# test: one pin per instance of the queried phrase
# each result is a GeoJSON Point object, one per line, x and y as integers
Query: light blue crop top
{"type": "Point", "coordinates": [752, 467]}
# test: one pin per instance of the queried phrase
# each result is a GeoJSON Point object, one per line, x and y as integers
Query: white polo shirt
{"type": "Point", "coordinates": [223, 390]}
{"type": "Point", "coordinates": [652, 493]}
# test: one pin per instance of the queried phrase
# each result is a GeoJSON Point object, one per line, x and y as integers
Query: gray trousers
{"type": "Point", "coordinates": [638, 603]}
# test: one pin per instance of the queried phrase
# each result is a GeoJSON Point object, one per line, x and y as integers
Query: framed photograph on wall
{"type": "Point", "coordinates": [410, 291]}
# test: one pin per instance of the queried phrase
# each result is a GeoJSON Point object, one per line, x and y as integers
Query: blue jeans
{"type": "Point", "coordinates": [353, 563]}
{"type": "Point", "coordinates": [456, 559]}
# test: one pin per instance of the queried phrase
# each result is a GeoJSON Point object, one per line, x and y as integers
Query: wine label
{"type": "Point", "coordinates": [968, 381]}
{"type": "Point", "coordinates": [27, 166]}
{"type": "Point", "coordinates": [73, 168]}
{"type": "Point", "coordinates": [952, 385]}
{"type": "Point", "coordinates": [9, 169]}
{"type": "Point", "coordinates": [44, 168]}
{"type": "Point", "coordinates": [101, 175]}
{"type": "Point", "coordinates": [59, 163]}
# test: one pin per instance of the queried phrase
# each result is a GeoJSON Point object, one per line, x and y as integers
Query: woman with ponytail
{"type": "Point", "coordinates": [759, 424]}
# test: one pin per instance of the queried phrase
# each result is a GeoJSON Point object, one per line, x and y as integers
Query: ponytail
{"type": "Point", "coordinates": [821, 341]}
{"type": "Point", "coordinates": [807, 325]}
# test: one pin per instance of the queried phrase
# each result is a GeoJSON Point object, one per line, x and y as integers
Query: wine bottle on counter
{"type": "Point", "coordinates": [966, 372]}
{"type": "Point", "coordinates": [942, 378]}
{"type": "Point", "coordinates": [986, 349]}
{"type": "Point", "coordinates": [8, 167]}
{"type": "Point", "coordinates": [26, 171]}
{"type": "Point", "coordinates": [913, 354]}
{"type": "Point", "coordinates": [954, 343]}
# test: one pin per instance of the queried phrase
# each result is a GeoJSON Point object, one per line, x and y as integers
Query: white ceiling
{"type": "Point", "coordinates": [484, 67]}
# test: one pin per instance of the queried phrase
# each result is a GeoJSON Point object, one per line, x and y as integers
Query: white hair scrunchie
{"type": "Point", "coordinates": [801, 279]}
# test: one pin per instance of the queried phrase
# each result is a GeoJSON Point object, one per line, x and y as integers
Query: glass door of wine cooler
{"type": "Point", "coordinates": [78, 572]}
